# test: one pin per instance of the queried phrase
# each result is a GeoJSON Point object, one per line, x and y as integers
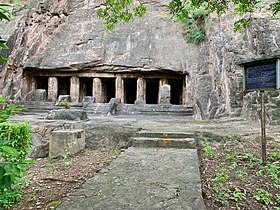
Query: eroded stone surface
{"type": "Point", "coordinates": [144, 179]}
{"type": "Point", "coordinates": [66, 142]}
{"type": "Point", "coordinates": [66, 35]}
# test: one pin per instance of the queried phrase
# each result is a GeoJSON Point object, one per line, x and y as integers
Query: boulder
{"type": "Point", "coordinates": [67, 114]}
{"type": "Point", "coordinates": [114, 103]}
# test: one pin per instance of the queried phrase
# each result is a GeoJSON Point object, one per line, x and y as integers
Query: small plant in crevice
{"type": "Point", "coordinates": [192, 19]}
{"type": "Point", "coordinates": [262, 196]}
{"type": "Point", "coordinates": [240, 174]}
{"type": "Point", "coordinates": [65, 103]}
{"type": "Point", "coordinates": [117, 151]}
{"type": "Point", "coordinates": [208, 149]}
{"type": "Point", "coordinates": [17, 6]}
{"type": "Point", "coordinates": [220, 176]}
{"type": "Point", "coordinates": [237, 195]}
{"type": "Point", "coordinates": [221, 195]}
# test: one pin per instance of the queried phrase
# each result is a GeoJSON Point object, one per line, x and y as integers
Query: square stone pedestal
{"type": "Point", "coordinates": [66, 142]}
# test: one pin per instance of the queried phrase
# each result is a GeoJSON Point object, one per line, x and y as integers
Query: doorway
{"type": "Point", "coordinates": [108, 89]}
{"type": "Point", "coordinates": [176, 86]}
{"type": "Point", "coordinates": [63, 85]}
{"type": "Point", "coordinates": [152, 91]}
{"type": "Point", "coordinates": [85, 87]}
{"type": "Point", "coordinates": [130, 90]}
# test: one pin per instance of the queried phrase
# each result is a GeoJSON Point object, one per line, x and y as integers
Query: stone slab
{"type": "Point", "coordinates": [143, 179]}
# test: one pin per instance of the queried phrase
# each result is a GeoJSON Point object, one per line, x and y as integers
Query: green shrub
{"type": "Point", "coordinates": [14, 146]}
{"type": "Point", "coordinates": [16, 136]}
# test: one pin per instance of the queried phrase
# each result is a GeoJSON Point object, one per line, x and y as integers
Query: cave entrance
{"type": "Point", "coordinates": [63, 85]}
{"type": "Point", "coordinates": [130, 90]}
{"type": "Point", "coordinates": [85, 87]}
{"type": "Point", "coordinates": [152, 91]}
{"type": "Point", "coordinates": [176, 86]}
{"type": "Point", "coordinates": [42, 83]}
{"type": "Point", "coordinates": [108, 89]}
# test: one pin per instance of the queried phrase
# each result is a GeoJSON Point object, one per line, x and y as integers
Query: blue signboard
{"type": "Point", "coordinates": [261, 76]}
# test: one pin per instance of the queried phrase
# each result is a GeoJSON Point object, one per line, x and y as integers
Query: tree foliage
{"type": "Point", "coordinates": [188, 12]}
{"type": "Point", "coordinates": [116, 11]}
{"type": "Point", "coordinates": [4, 15]}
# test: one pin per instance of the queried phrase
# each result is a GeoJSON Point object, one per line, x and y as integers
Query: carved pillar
{"type": "Point", "coordinates": [141, 90]}
{"type": "Point", "coordinates": [75, 88]}
{"type": "Point", "coordinates": [120, 88]}
{"type": "Point", "coordinates": [97, 90]}
{"type": "Point", "coordinates": [52, 88]}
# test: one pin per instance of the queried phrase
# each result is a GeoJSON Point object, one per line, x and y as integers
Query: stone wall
{"type": "Point", "coordinates": [227, 50]}
{"type": "Point", "coordinates": [66, 35]}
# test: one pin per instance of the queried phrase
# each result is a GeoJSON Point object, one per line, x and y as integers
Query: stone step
{"type": "Point", "coordinates": [157, 109]}
{"type": "Point", "coordinates": [164, 134]}
{"type": "Point", "coordinates": [98, 108]}
{"type": "Point", "coordinates": [180, 143]}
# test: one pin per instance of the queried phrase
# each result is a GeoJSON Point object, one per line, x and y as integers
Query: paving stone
{"type": "Point", "coordinates": [144, 179]}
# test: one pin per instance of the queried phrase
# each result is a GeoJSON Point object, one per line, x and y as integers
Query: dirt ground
{"type": "Point", "coordinates": [231, 172]}
{"type": "Point", "coordinates": [53, 180]}
{"type": "Point", "coordinates": [233, 176]}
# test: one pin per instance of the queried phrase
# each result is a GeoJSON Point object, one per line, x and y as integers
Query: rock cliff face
{"type": "Point", "coordinates": [66, 35]}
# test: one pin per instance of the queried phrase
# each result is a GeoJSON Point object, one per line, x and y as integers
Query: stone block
{"type": "Point", "coordinates": [39, 95]}
{"type": "Point", "coordinates": [66, 142]}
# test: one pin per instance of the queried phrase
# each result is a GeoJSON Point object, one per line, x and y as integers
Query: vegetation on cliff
{"type": "Point", "coordinates": [189, 12]}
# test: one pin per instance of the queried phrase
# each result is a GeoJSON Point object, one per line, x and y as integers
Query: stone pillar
{"type": "Point", "coordinates": [187, 92]}
{"type": "Point", "coordinates": [163, 81]}
{"type": "Point", "coordinates": [75, 88]}
{"type": "Point", "coordinates": [28, 87]}
{"type": "Point", "coordinates": [120, 88]}
{"type": "Point", "coordinates": [141, 90]}
{"type": "Point", "coordinates": [97, 90]}
{"type": "Point", "coordinates": [52, 88]}
{"type": "Point", "coordinates": [165, 94]}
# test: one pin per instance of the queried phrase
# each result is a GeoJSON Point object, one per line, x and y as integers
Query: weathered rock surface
{"type": "Point", "coordinates": [39, 95]}
{"type": "Point", "coordinates": [66, 35]}
{"type": "Point", "coordinates": [66, 142]}
{"type": "Point", "coordinates": [40, 141]}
